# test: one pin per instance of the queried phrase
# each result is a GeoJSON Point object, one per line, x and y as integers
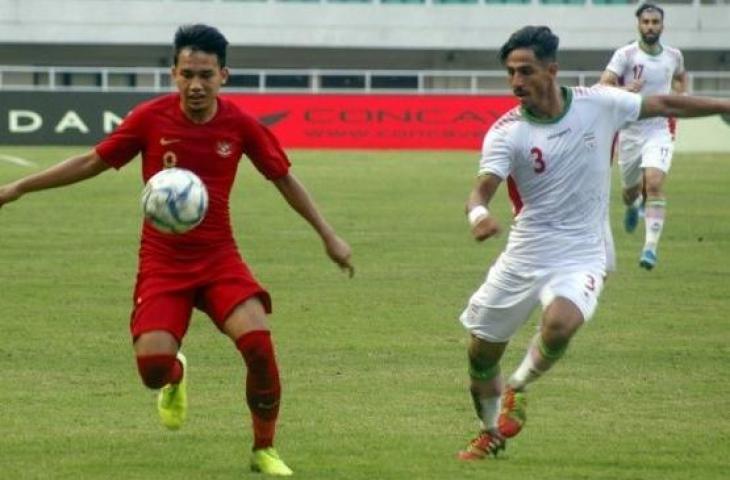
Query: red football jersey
{"type": "Point", "coordinates": [160, 131]}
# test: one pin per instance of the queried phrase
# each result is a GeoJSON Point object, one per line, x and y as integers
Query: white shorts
{"type": "Point", "coordinates": [636, 154]}
{"type": "Point", "coordinates": [506, 299]}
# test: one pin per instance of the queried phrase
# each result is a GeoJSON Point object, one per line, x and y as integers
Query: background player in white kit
{"type": "Point", "coordinates": [645, 149]}
{"type": "Point", "coordinates": [554, 151]}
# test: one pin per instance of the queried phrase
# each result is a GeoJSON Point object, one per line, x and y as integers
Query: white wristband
{"type": "Point", "coordinates": [477, 214]}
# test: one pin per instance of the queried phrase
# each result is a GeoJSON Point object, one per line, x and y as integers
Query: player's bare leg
{"type": "Point", "coordinates": [485, 389]}
{"type": "Point", "coordinates": [248, 328]}
{"type": "Point", "coordinates": [633, 201]}
{"type": "Point", "coordinates": [655, 212]}
{"type": "Point", "coordinates": [162, 367]}
{"type": "Point", "coordinates": [560, 320]}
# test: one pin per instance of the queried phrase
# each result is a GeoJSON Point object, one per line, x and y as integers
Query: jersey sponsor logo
{"type": "Point", "coordinates": [559, 134]}
{"type": "Point", "coordinates": [168, 141]}
{"type": "Point", "coordinates": [224, 149]}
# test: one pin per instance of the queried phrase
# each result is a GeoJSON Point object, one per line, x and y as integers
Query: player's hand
{"type": "Point", "coordinates": [340, 253]}
{"type": "Point", "coordinates": [485, 228]}
{"type": "Point", "coordinates": [635, 85]}
{"type": "Point", "coordinates": [9, 193]}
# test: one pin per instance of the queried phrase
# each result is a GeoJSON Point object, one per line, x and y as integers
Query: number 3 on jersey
{"type": "Point", "coordinates": [538, 163]}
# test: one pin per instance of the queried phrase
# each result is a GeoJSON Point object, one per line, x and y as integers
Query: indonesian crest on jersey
{"type": "Point", "coordinates": [590, 141]}
{"type": "Point", "coordinates": [224, 149]}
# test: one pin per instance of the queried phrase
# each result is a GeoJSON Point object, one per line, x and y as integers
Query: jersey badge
{"type": "Point", "coordinates": [224, 149]}
{"type": "Point", "coordinates": [590, 141]}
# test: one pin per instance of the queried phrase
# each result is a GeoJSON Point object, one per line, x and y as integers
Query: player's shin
{"type": "Point", "coordinates": [263, 389]}
{"type": "Point", "coordinates": [486, 389]}
{"type": "Point", "coordinates": [538, 360]}
{"type": "Point", "coordinates": [654, 221]}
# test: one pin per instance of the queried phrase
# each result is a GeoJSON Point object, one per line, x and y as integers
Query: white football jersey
{"type": "Point", "coordinates": [558, 174]}
{"type": "Point", "coordinates": [630, 63]}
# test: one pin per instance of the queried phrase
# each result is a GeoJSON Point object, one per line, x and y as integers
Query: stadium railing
{"type": "Point", "coordinates": [125, 79]}
{"type": "Point", "coordinates": [463, 2]}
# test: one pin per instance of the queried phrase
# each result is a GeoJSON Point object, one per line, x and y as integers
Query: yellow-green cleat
{"type": "Point", "coordinates": [267, 461]}
{"type": "Point", "coordinates": [172, 400]}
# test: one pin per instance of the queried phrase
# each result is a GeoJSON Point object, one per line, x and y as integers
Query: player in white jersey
{"type": "Point", "coordinates": [553, 151]}
{"type": "Point", "coordinates": [645, 147]}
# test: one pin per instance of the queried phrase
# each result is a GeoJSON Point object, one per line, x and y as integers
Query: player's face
{"type": "Point", "coordinates": [530, 79]}
{"type": "Point", "coordinates": [198, 77]}
{"type": "Point", "coordinates": [651, 26]}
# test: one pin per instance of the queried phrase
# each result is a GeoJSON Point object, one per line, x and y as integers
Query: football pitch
{"type": "Point", "coordinates": [373, 368]}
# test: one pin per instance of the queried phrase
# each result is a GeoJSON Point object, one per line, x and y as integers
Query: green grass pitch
{"type": "Point", "coordinates": [374, 368]}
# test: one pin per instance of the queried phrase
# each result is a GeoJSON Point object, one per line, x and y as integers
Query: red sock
{"type": "Point", "coordinates": [159, 370]}
{"type": "Point", "coordinates": [263, 390]}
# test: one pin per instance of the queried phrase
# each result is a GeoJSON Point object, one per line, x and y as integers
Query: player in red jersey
{"type": "Point", "coordinates": [197, 130]}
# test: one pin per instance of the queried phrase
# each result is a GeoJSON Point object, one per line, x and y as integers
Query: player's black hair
{"type": "Point", "coordinates": [540, 39]}
{"type": "Point", "coordinates": [202, 38]}
{"type": "Point", "coordinates": [649, 6]}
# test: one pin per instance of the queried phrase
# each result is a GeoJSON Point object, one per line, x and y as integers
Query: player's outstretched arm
{"type": "Point", "coordinates": [67, 172]}
{"type": "Point", "coordinates": [483, 224]}
{"type": "Point", "coordinates": [300, 200]}
{"type": "Point", "coordinates": [683, 106]}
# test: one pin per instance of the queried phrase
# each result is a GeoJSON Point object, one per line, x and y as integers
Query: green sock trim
{"type": "Point", "coordinates": [550, 353]}
{"type": "Point", "coordinates": [480, 373]}
{"type": "Point", "coordinates": [656, 202]}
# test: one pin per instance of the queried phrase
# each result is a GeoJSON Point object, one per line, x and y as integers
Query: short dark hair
{"type": "Point", "coordinates": [649, 6]}
{"type": "Point", "coordinates": [540, 39]}
{"type": "Point", "coordinates": [202, 38]}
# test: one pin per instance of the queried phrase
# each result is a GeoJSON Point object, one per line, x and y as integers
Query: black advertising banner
{"type": "Point", "coordinates": [62, 118]}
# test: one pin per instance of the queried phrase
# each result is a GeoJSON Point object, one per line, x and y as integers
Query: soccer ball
{"type": "Point", "coordinates": [174, 200]}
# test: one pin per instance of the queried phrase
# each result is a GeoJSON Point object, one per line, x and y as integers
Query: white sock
{"type": "Point", "coordinates": [527, 372]}
{"type": "Point", "coordinates": [654, 222]}
{"type": "Point", "coordinates": [490, 412]}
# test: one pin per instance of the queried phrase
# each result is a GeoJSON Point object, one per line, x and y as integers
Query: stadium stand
{"type": "Point", "coordinates": [337, 45]}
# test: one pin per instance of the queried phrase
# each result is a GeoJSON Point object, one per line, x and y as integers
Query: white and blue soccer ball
{"type": "Point", "coordinates": [175, 200]}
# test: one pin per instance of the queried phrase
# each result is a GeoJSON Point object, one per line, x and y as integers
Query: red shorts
{"type": "Point", "coordinates": [165, 295]}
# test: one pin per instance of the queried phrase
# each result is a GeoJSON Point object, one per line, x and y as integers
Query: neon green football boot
{"type": "Point", "coordinates": [172, 400]}
{"type": "Point", "coordinates": [266, 460]}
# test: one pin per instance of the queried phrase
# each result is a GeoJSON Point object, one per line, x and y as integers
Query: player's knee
{"type": "Point", "coordinates": [256, 347]}
{"type": "Point", "coordinates": [654, 191]}
{"type": "Point", "coordinates": [555, 337]}
{"type": "Point", "coordinates": [484, 358]}
{"type": "Point", "coordinates": [155, 370]}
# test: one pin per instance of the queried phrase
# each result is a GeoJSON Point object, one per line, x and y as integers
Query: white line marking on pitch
{"type": "Point", "coordinates": [16, 160]}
